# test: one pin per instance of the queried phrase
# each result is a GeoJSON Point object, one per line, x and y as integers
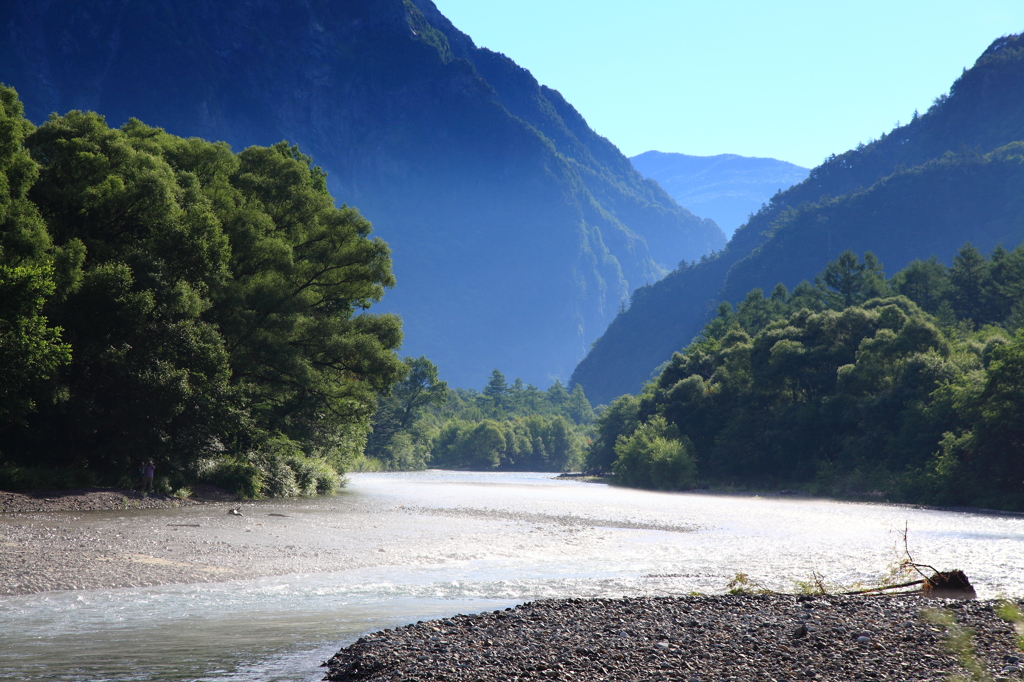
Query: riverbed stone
{"type": "Point", "coordinates": [749, 638]}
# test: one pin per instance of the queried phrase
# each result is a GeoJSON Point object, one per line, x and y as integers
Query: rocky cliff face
{"type": "Point", "coordinates": [516, 230]}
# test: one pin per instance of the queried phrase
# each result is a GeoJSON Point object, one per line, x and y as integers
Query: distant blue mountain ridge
{"type": "Point", "coordinates": [726, 188]}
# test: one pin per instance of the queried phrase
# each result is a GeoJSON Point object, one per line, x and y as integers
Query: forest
{"type": "Point", "coordinates": [167, 299]}
{"type": "Point", "coordinates": [909, 388]}
{"type": "Point", "coordinates": [504, 427]}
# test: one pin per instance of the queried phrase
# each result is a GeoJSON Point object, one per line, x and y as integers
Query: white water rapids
{"type": "Point", "coordinates": [433, 544]}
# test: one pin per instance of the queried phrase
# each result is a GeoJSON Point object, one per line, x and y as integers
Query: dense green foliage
{"type": "Point", "coordinates": [174, 301]}
{"type": "Point", "coordinates": [30, 349]}
{"type": "Point", "coordinates": [911, 387]}
{"type": "Point", "coordinates": [509, 427]}
{"type": "Point", "coordinates": [949, 175]}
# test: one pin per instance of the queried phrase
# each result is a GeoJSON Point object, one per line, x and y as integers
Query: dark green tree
{"type": "Point", "coordinates": [216, 306]}
{"type": "Point", "coordinates": [149, 374]}
{"type": "Point", "coordinates": [496, 389]}
{"type": "Point", "coordinates": [924, 282]}
{"type": "Point", "coordinates": [30, 349]}
{"type": "Point", "coordinates": [969, 278]}
{"type": "Point", "coordinates": [850, 281]}
{"type": "Point", "coordinates": [557, 395]}
{"type": "Point", "coordinates": [397, 414]}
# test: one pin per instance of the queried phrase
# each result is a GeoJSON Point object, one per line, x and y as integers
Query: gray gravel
{"type": "Point", "coordinates": [86, 499]}
{"type": "Point", "coordinates": [698, 638]}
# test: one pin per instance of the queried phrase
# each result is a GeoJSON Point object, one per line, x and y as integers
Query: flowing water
{"type": "Point", "coordinates": [433, 544]}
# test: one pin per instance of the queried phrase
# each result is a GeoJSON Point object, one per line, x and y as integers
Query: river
{"type": "Point", "coordinates": [400, 547]}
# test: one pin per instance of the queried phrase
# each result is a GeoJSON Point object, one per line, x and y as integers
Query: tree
{"type": "Point", "coordinates": [30, 349]}
{"type": "Point", "coordinates": [139, 253]}
{"type": "Point", "coordinates": [395, 438]}
{"type": "Point", "coordinates": [997, 461]}
{"type": "Point", "coordinates": [557, 394]}
{"type": "Point", "coordinates": [969, 278]}
{"type": "Point", "coordinates": [923, 282]}
{"type": "Point", "coordinates": [216, 304]}
{"type": "Point", "coordinates": [654, 456]}
{"type": "Point", "coordinates": [420, 388]}
{"type": "Point", "coordinates": [578, 407]}
{"type": "Point", "coordinates": [844, 276]}
{"type": "Point", "coordinates": [496, 389]}
{"type": "Point", "coordinates": [851, 281]}
{"type": "Point", "coordinates": [293, 312]}
{"type": "Point", "coordinates": [621, 417]}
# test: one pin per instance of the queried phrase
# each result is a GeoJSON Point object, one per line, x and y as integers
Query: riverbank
{"type": "Point", "coordinates": [102, 499]}
{"type": "Point", "coordinates": [697, 638]}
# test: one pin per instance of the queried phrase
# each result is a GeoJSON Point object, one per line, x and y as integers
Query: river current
{"type": "Point", "coordinates": [434, 544]}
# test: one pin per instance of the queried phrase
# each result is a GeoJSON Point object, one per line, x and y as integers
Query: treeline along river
{"type": "Point", "coordinates": [272, 593]}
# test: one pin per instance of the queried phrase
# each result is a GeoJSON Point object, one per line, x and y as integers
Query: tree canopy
{"type": "Point", "coordinates": [910, 387]}
{"type": "Point", "coordinates": [181, 302]}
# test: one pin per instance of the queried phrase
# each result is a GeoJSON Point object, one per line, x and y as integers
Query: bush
{"type": "Point", "coordinates": [654, 456]}
{"type": "Point", "coordinates": [241, 478]}
{"type": "Point", "coordinates": [314, 476]}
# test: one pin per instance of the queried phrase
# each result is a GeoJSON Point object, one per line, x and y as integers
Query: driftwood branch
{"type": "Point", "coordinates": [883, 588]}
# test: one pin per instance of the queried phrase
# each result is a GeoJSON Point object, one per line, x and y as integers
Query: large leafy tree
{"type": "Point", "coordinates": [293, 312]}
{"type": "Point", "coordinates": [215, 303]}
{"type": "Point", "coordinates": [30, 349]}
{"type": "Point", "coordinates": [397, 439]}
{"type": "Point", "coordinates": [149, 374]}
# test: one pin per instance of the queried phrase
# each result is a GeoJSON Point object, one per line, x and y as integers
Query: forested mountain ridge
{"type": "Point", "coordinates": [726, 188]}
{"type": "Point", "coordinates": [983, 111]}
{"type": "Point", "coordinates": [516, 231]}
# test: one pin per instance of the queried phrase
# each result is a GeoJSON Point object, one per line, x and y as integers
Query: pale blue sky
{"type": "Point", "coordinates": [788, 79]}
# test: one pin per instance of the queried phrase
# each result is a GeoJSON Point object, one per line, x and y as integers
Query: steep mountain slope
{"type": "Point", "coordinates": [516, 231]}
{"type": "Point", "coordinates": [727, 188]}
{"type": "Point", "coordinates": [914, 213]}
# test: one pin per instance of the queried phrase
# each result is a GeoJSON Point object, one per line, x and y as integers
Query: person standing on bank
{"type": "Point", "coordinates": [148, 474]}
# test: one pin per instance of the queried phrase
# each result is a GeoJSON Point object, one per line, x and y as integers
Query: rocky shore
{"type": "Point", "coordinates": [85, 499]}
{"type": "Point", "coordinates": [102, 499]}
{"type": "Point", "coordinates": [691, 639]}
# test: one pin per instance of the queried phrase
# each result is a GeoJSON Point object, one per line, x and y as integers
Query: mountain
{"type": "Point", "coordinates": [516, 231]}
{"type": "Point", "coordinates": [923, 189]}
{"type": "Point", "coordinates": [727, 188]}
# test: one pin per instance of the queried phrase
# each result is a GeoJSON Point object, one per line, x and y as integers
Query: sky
{"type": "Point", "coordinates": [787, 79]}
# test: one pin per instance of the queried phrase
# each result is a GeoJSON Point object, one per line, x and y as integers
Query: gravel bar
{"type": "Point", "coordinates": [85, 499]}
{"type": "Point", "coordinates": [692, 639]}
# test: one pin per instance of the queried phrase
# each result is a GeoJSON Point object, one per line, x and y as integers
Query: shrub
{"type": "Point", "coordinates": [239, 477]}
{"type": "Point", "coordinates": [654, 456]}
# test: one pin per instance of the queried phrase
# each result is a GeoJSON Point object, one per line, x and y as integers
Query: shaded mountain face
{"type": "Point", "coordinates": [516, 231]}
{"type": "Point", "coordinates": [925, 188]}
{"type": "Point", "coordinates": [726, 188]}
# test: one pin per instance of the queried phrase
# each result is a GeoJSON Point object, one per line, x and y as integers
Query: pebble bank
{"type": "Point", "coordinates": [688, 639]}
